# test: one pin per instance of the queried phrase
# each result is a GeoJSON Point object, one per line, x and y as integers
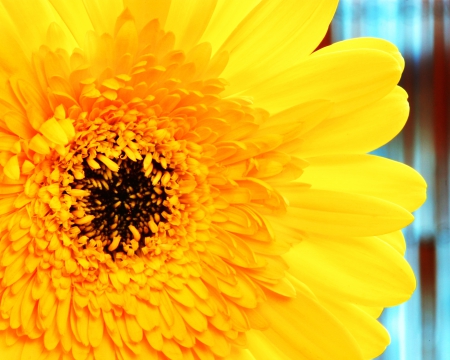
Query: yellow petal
{"type": "Point", "coordinates": [62, 313]}
{"type": "Point", "coordinates": [106, 349]}
{"type": "Point", "coordinates": [307, 114]}
{"type": "Point", "coordinates": [193, 317]}
{"type": "Point", "coordinates": [35, 115]}
{"type": "Point", "coordinates": [27, 167]}
{"type": "Point", "coordinates": [19, 125]}
{"type": "Point", "coordinates": [336, 213]}
{"type": "Point", "coordinates": [59, 37]}
{"type": "Point", "coordinates": [362, 131]}
{"type": "Point", "coordinates": [7, 142]}
{"type": "Point", "coordinates": [365, 271]}
{"type": "Point", "coordinates": [227, 16]}
{"type": "Point", "coordinates": [108, 162]}
{"type": "Point", "coordinates": [146, 10]}
{"type": "Point", "coordinates": [54, 132]}
{"type": "Point", "coordinates": [133, 328]}
{"type": "Point", "coordinates": [32, 349]}
{"type": "Point", "coordinates": [396, 240]}
{"type": "Point", "coordinates": [32, 22]}
{"type": "Point", "coordinates": [317, 333]}
{"type": "Point", "coordinates": [15, 351]}
{"type": "Point", "coordinates": [146, 316]}
{"type": "Point", "coordinates": [241, 354]}
{"type": "Point", "coordinates": [261, 347]}
{"type": "Point", "coordinates": [103, 14]}
{"type": "Point", "coordinates": [273, 37]}
{"type": "Point", "coordinates": [14, 58]}
{"type": "Point", "coordinates": [68, 128]}
{"type": "Point", "coordinates": [154, 338]}
{"type": "Point", "coordinates": [368, 175]}
{"type": "Point", "coordinates": [126, 39]}
{"type": "Point", "coordinates": [10, 189]}
{"type": "Point", "coordinates": [39, 145]}
{"type": "Point", "coordinates": [351, 79]}
{"type": "Point", "coordinates": [374, 311]}
{"type": "Point", "coordinates": [171, 350]}
{"type": "Point", "coordinates": [366, 43]}
{"type": "Point", "coordinates": [95, 332]}
{"type": "Point", "coordinates": [32, 99]}
{"type": "Point", "coordinates": [188, 20]}
{"type": "Point", "coordinates": [75, 17]}
{"type": "Point", "coordinates": [370, 335]}
{"type": "Point", "coordinates": [12, 168]}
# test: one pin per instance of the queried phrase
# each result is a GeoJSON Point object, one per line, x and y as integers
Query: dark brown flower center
{"type": "Point", "coordinates": [126, 204]}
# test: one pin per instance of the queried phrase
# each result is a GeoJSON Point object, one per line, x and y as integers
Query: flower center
{"type": "Point", "coordinates": [126, 206]}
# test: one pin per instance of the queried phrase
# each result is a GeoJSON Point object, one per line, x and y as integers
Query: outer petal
{"type": "Point", "coordinates": [262, 348]}
{"type": "Point", "coordinates": [303, 329]}
{"type": "Point", "coordinates": [11, 352]}
{"type": "Point", "coordinates": [273, 37]}
{"type": "Point", "coordinates": [14, 59]}
{"type": "Point", "coordinates": [75, 16]}
{"type": "Point", "coordinates": [364, 271]}
{"type": "Point", "coordinates": [370, 335]}
{"type": "Point", "coordinates": [147, 10]}
{"type": "Point", "coordinates": [341, 214]}
{"type": "Point", "coordinates": [365, 43]}
{"type": "Point", "coordinates": [188, 20]}
{"type": "Point", "coordinates": [103, 14]}
{"type": "Point", "coordinates": [396, 240]}
{"type": "Point", "coordinates": [241, 354]}
{"type": "Point", "coordinates": [368, 175]}
{"type": "Point", "coordinates": [352, 79]}
{"type": "Point", "coordinates": [374, 311]}
{"type": "Point", "coordinates": [361, 131]}
{"type": "Point", "coordinates": [32, 22]}
{"type": "Point", "coordinates": [82, 16]}
{"type": "Point", "coordinates": [308, 115]}
{"type": "Point", "coordinates": [228, 14]}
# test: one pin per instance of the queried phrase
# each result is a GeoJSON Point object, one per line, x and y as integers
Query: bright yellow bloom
{"type": "Point", "coordinates": [189, 180]}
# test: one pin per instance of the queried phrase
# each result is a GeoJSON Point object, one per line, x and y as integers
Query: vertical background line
{"type": "Point", "coordinates": [441, 77]}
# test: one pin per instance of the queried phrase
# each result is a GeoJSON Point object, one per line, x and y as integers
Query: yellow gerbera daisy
{"type": "Point", "coordinates": [189, 180]}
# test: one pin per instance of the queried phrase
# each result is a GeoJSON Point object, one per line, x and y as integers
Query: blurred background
{"type": "Point", "coordinates": [420, 329]}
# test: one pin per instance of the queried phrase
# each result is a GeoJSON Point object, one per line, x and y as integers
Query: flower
{"type": "Point", "coordinates": [189, 180]}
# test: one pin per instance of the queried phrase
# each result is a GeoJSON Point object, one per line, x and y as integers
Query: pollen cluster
{"type": "Point", "coordinates": [124, 207]}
